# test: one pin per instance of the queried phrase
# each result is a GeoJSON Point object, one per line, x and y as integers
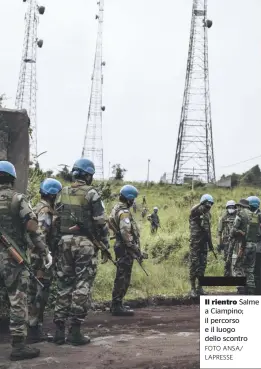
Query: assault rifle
{"type": "Point", "coordinates": [18, 256]}
{"type": "Point", "coordinates": [99, 244]}
{"type": "Point", "coordinates": [132, 252]}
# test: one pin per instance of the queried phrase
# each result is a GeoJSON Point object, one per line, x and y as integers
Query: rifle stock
{"type": "Point", "coordinates": [17, 255]}
{"type": "Point", "coordinates": [99, 244]}
{"type": "Point", "coordinates": [130, 251]}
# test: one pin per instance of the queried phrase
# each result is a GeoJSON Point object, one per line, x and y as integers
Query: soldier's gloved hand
{"type": "Point", "coordinates": [49, 260]}
{"type": "Point", "coordinates": [105, 257]}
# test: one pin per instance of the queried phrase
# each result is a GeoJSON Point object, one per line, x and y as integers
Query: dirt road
{"type": "Point", "coordinates": [155, 338]}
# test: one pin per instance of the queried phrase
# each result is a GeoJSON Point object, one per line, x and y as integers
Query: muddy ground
{"type": "Point", "coordinates": [155, 338]}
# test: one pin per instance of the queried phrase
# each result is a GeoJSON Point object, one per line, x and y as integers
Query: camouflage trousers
{"type": "Point", "coordinates": [38, 297]}
{"type": "Point", "coordinates": [245, 266]}
{"type": "Point", "coordinates": [76, 271]}
{"type": "Point", "coordinates": [15, 279]}
{"type": "Point", "coordinates": [227, 261]}
{"type": "Point", "coordinates": [198, 259]}
{"type": "Point", "coordinates": [123, 274]}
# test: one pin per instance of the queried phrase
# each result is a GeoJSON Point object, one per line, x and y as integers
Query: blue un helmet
{"type": "Point", "coordinates": [254, 202]}
{"type": "Point", "coordinates": [50, 186]}
{"type": "Point", "coordinates": [129, 192]}
{"type": "Point", "coordinates": [207, 200]}
{"type": "Point", "coordinates": [7, 167]}
{"type": "Point", "coordinates": [83, 166]}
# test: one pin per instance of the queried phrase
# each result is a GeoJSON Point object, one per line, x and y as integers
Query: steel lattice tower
{"type": "Point", "coordinates": [93, 147]}
{"type": "Point", "coordinates": [27, 85]}
{"type": "Point", "coordinates": [194, 152]}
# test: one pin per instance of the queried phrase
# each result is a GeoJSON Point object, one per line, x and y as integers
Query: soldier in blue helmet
{"type": "Point", "coordinates": [81, 216]}
{"type": "Point", "coordinates": [247, 229]}
{"type": "Point", "coordinates": [16, 219]}
{"type": "Point", "coordinates": [200, 241]}
{"type": "Point", "coordinates": [127, 239]}
{"type": "Point", "coordinates": [38, 297]}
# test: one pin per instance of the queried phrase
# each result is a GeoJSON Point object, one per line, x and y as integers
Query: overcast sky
{"type": "Point", "coordinates": [145, 48]}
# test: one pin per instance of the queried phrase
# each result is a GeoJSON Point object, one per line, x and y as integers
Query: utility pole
{"type": "Point", "coordinates": [195, 142]}
{"type": "Point", "coordinates": [109, 170]}
{"type": "Point", "coordinates": [93, 145]}
{"type": "Point", "coordinates": [192, 183]}
{"type": "Point", "coordinates": [148, 173]}
{"type": "Point", "coordinates": [26, 95]}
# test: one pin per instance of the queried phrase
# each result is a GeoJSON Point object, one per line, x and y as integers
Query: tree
{"type": "Point", "coordinates": [118, 171]}
{"type": "Point", "coordinates": [65, 173]}
{"type": "Point", "coordinates": [2, 100]}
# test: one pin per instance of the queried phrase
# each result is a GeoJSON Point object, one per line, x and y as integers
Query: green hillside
{"type": "Point", "coordinates": [168, 249]}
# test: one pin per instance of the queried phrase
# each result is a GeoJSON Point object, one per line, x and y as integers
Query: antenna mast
{"type": "Point", "coordinates": [93, 146]}
{"type": "Point", "coordinates": [194, 152]}
{"type": "Point", "coordinates": [27, 84]}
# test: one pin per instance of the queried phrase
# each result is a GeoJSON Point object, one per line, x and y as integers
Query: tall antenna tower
{"type": "Point", "coordinates": [194, 152]}
{"type": "Point", "coordinates": [93, 147]}
{"type": "Point", "coordinates": [27, 84]}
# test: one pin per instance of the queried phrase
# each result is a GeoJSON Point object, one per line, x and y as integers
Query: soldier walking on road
{"type": "Point", "coordinates": [82, 217]}
{"type": "Point", "coordinates": [38, 297]}
{"type": "Point", "coordinates": [224, 228]}
{"type": "Point", "coordinates": [200, 241]}
{"type": "Point", "coordinates": [17, 218]}
{"type": "Point", "coordinates": [127, 245]}
{"type": "Point", "coordinates": [246, 228]}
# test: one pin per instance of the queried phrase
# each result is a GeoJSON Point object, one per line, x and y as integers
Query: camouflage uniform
{"type": "Point", "coordinates": [15, 212]}
{"type": "Point", "coordinates": [155, 222]}
{"type": "Point", "coordinates": [37, 297]}
{"type": "Point", "coordinates": [126, 238]}
{"type": "Point", "coordinates": [77, 260]}
{"type": "Point", "coordinates": [200, 237]}
{"type": "Point", "coordinates": [246, 227]}
{"type": "Point", "coordinates": [224, 227]}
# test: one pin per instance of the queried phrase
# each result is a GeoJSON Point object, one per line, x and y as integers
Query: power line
{"type": "Point", "coordinates": [240, 162]}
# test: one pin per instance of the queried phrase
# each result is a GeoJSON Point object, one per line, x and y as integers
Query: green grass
{"type": "Point", "coordinates": [168, 249]}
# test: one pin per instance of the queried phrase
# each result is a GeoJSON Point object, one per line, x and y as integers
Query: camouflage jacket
{"type": "Point", "coordinates": [123, 221]}
{"type": "Point", "coordinates": [45, 213]}
{"type": "Point", "coordinates": [224, 227]}
{"type": "Point", "coordinates": [200, 224]}
{"type": "Point", "coordinates": [15, 213]}
{"type": "Point", "coordinates": [154, 219]}
{"type": "Point", "coordinates": [240, 226]}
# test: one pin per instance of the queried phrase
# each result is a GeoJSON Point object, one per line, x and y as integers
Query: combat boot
{"type": "Point", "coordinates": [59, 337]}
{"type": "Point", "coordinates": [22, 352]}
{"type": "Point", "coordinates": [193, 292]}
{"type": "Point", "coordinates": [35, 334]}
{"type": "Point", "coordinates": [200, 290]}
{"type": "Point", "coordinates": [117, 309]}
{"type": "Point", "coordinates": [75, 337]}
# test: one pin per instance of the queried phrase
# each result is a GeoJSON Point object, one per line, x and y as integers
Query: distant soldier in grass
{"type": "Point", "coordinates": [200, 241]}
{"type": "Point", "coordinates": [224, 228]}
{"type": "Point", "coordinates": [154, 220]}
{"type": "Point", "coordinates": [127, 246]}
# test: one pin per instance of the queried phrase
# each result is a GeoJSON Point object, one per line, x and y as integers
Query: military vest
{"type": "Point", "coordinates": [119, 212]}
{"type": "Point", "coordinates": [10, 222]}
{"type": "Point", "coordinates": [75, 208]}
{"type": "Point", "coordinates": [228, 222]}
{"type": "Point", "coordinates": [254, 234]}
